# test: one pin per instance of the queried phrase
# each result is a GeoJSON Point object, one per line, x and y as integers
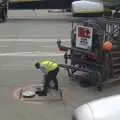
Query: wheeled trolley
{"type": "Point", "coordinates": [88, 60]}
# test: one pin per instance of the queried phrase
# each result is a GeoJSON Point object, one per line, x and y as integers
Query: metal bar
{"type": "Point", "coordinates": [74, 67]}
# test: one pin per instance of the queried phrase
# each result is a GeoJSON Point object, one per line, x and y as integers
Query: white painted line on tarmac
{"type": "Point", "coordinates": [3, 46]}
{"type": "Point", "coordinates": [31, 40]}
{"type": "Point", "coordinates": [30, 54]}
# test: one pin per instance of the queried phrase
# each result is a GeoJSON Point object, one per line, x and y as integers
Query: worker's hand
{"type": "Point", "coordinates": [43, 70]}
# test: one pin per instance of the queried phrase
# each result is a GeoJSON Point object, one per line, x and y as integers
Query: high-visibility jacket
{"type": "Point", "coordinates": [48, 65]}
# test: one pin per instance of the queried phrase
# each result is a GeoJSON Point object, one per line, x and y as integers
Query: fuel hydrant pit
{"type": "Point", "coordinates": [28, 94]}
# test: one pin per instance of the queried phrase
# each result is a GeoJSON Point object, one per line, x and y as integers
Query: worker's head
{"type": "Point", "coordinates": [37, 65]}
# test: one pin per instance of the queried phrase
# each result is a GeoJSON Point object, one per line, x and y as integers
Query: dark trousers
{"type": "Point", "coordinates": [52, 75]}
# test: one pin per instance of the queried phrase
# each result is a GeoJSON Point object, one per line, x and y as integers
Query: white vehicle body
{"type": "Point", "coordinates": [104, 109]}
{"type": "Point", "coordinates": [86, 6]}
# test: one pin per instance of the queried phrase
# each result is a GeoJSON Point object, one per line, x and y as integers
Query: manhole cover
{"type": "Point", "coordinates": [28, 94]}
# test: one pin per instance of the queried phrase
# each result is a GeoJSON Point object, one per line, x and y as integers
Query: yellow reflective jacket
{"type": "Point", "coordinates": [48, 65]}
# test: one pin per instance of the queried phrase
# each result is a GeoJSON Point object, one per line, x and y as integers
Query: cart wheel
{"type": "Point", "coordinates": [99, 88]}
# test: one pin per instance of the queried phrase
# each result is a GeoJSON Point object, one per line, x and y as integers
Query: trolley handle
{"type": "Point", "coordinates": [74, 67]}
{"type": "Point", "coordinates": [69, 67]}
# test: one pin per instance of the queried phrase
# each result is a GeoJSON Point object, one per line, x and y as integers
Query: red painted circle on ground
{"type": "Point", "coordinates": [34, 100]}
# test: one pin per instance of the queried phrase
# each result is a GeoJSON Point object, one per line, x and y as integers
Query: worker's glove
{"type": "Point", "coordinates": [43, 70]}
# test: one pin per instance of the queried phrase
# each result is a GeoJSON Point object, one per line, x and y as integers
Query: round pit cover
{"type": "Point", "coordinates": [28, 94]}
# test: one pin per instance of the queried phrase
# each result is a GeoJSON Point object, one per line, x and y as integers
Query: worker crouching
{"type": "Point", "coordinates": [50, 70]}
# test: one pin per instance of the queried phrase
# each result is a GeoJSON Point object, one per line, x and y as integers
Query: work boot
{"type": "Point", "coordinates": [41, 93]}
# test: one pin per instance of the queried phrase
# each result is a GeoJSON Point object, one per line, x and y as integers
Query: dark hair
{"type": "Point", "coordinates": [37, 65]}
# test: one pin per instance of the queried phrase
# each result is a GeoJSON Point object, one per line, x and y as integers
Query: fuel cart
{"type": "Point", "coordinates": [85, 58]}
